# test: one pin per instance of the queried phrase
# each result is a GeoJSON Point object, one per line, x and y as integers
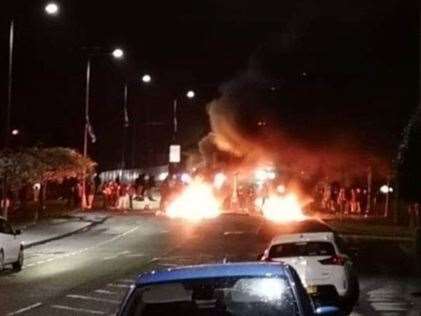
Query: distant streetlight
{"type": "Point", "coordinates": [15, 132]}
{"type": "Point", "coordinates": [52, 8]}
{"type": "Point", "coordinates": [146, 78]}
{"type": "Point", "coordinates": [190, 94]}
{"type": "Point", "coordinates": [118, 53]}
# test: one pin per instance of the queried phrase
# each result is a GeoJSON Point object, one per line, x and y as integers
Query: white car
{"type": "Point", "coordinates": [321, 261]}
{"type": "Point", "coordinates": [11, 248]}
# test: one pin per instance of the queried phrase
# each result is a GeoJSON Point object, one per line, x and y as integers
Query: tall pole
{"type": "Point", "coordinates": [87, 126]}
{"type": "Point", "coordinates": [175, 121]}
{"type": "Point", "coordinates": [125, 126]}
{"type": "Point", "coordinates": [8, 110]}
{"type": "Point", "coordinates": [10, 84]}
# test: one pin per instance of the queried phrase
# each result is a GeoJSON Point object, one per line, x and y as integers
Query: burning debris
{"type": "Point", "coordinates": [195, 202]}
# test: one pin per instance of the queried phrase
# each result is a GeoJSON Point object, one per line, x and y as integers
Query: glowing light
{"type": "Point", "coordinates": [186, 178]}
{"type": "Point", "coordinates": [263, 175]}
{"type": "Point", "coordinates": [386, 189]}
{"type": "Point", "coordinates": [281, 189]}
{"type": "Point", "coordinates": [146, 78]}
{"type": "Point", "coordinates": [281, 208]}
{"type": "Point", "coordinates": [190, 94]}
{"type": "Point", "coordinates": [52, 8]}
{"type": "Point", "coordinates": [219, 180]}
{"type": "Point", "coordinates": [260, 175]}
{"type": "Point", "coordinates": [118, 53]}
{"type": "Point", "coordinates": [162, 176]}
{"type": "Point", "coordinates": [15, 132]}
{"type": "Point", "coordinates": [195, 203]}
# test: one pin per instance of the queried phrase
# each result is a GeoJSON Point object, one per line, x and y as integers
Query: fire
{"type": "Point", "coordinates": [196, 202]}
{"type": "Point", "coordinates": [281, 208]}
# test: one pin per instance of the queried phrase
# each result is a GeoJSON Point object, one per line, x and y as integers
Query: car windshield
{"type": "Point", "coordinates": [219, 296]}
{"type": "Point", "coordinates": [302, 249]}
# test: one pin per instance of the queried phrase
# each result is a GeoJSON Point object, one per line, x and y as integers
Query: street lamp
{"type": "Point", "coordinates": [118, 53]}
{"type": "Point", "coordinates": [190, 94]}
{"type": "Point", "coordinates": [15, 132]}
{"type": "Point", "coordinates": [146, 78]}
{"type": "Point", "coordinates": [52, 8]}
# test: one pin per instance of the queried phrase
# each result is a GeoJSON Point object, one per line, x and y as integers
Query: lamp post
{"type": "Point", "coordinates": [146, 79]}
{"type": "Point", "coordinates": [175, 149]}
{"type": "Point", "coordinates": [51, 9]}
{"type": "Point", "coordinates": [117, 53]}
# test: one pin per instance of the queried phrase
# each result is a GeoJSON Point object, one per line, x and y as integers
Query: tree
{"type": "Point", "coordinates": [42, 165]}
{"type": "Point", "coordinates": [409, 160]}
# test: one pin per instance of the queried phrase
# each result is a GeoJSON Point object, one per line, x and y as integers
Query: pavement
{"type": "Point", "coordinates": [87, 273]}
{"type": "Point", "coordinates": [56, 228]}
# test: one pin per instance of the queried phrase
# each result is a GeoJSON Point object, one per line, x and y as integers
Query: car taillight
{"type": "Point", "coordinates": [334, 260]}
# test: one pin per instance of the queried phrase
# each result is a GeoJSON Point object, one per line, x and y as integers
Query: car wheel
{"type": "Point", "coordinates": [1, 260]}
{"type": "Point", "coordinates": [17, 266]}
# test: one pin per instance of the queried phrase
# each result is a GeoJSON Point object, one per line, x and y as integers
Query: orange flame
{"type": "Point", "coordinates": [281, 208]}
{"type": "Point", "coordinates": [196, 202]}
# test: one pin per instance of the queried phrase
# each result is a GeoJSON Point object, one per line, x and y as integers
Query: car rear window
{"type": "Point", "coordinates": [302, 249]}
{"type": "Point", "coordinates": [242, 296]}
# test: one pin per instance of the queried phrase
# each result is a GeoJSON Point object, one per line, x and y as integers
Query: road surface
{"type": "Point", "coordinates": [88, 273]}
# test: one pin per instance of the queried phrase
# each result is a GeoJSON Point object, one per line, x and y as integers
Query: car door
{"type": "Point", "coordinates": [5, 241]}
{"type": "Point", "coordinates": [14, 243]}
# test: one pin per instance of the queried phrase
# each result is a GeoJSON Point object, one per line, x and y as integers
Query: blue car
{"type": "Point", "coordinates": [243, 289]}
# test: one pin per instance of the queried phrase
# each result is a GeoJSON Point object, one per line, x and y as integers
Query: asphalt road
{"type": "Point", "coordinates": [88, 273]}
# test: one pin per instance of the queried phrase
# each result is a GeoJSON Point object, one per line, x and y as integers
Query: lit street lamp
{"type": "Point", "coordinates": [15, 132]}
{"type": "Point", "coordinates": [146, 78]}
{"type": "Point", "coordinates": [118, 54]}
{"type": "Point", "coordinates": [52, 8]}
{"type": "Point", "coordinates": [190, 94]}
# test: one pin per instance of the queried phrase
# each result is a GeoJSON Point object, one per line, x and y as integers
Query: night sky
{"type": "Point", "coordinates": [337, 67]}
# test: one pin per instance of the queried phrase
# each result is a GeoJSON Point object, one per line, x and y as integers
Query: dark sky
{"type": "Point", "coordinates": [360, 60]}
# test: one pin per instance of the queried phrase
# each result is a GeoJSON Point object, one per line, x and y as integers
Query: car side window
{"type": "Point", "coordinates": [341, 244]}
{"type": "Point", "coordinates": [8, 228]}
{"type": "Point", "coordinates": [2, 227]}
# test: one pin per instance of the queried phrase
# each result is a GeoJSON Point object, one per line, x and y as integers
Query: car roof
{"type": "Point", "coordinates": [308, 225]}
{"type": "Point", "coordinates": [286, 238]}
{"type": "Point", "coordinates": [244, 269]}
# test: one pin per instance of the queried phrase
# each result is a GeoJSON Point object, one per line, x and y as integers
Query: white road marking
{"type": "Point", "coordinates": [390, 307]}
{"type": "Point", "coordinates": [116, 255]}
{"type": "Point", "coordinates": [80, 310]}
{"type": "Point", "coordinates": [84, 249]}
{"type": "Point", "coordinates": [91, 298]}
{"type": "Point", "coordinates": [106, 292]}
{"type": "Point", "coordinates": [123, 286]}
{"type": "Point", "coordinates": [25, 309]}
{"type": "Point", "coordinates": [135, 255]}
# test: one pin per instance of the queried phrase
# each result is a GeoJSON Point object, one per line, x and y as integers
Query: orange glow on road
{"type": "Point", "coordinates": [196, 202]}
{"type": "Point", "coordinates": [281, 208]}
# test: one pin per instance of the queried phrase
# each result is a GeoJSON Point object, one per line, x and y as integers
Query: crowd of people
{"type": "Point", "coordinates": [117, 195]}
{"type": "Point", "coordinates": [355, 200]}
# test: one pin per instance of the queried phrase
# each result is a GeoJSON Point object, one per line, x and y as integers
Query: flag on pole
{"type": "Point", "coordinates": [125, 110]}
{"type": "Point", "coordinates": [91, 132]}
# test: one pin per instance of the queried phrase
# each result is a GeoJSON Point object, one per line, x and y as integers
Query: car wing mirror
{"type": "Point", "coordinates": [328, 311]}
